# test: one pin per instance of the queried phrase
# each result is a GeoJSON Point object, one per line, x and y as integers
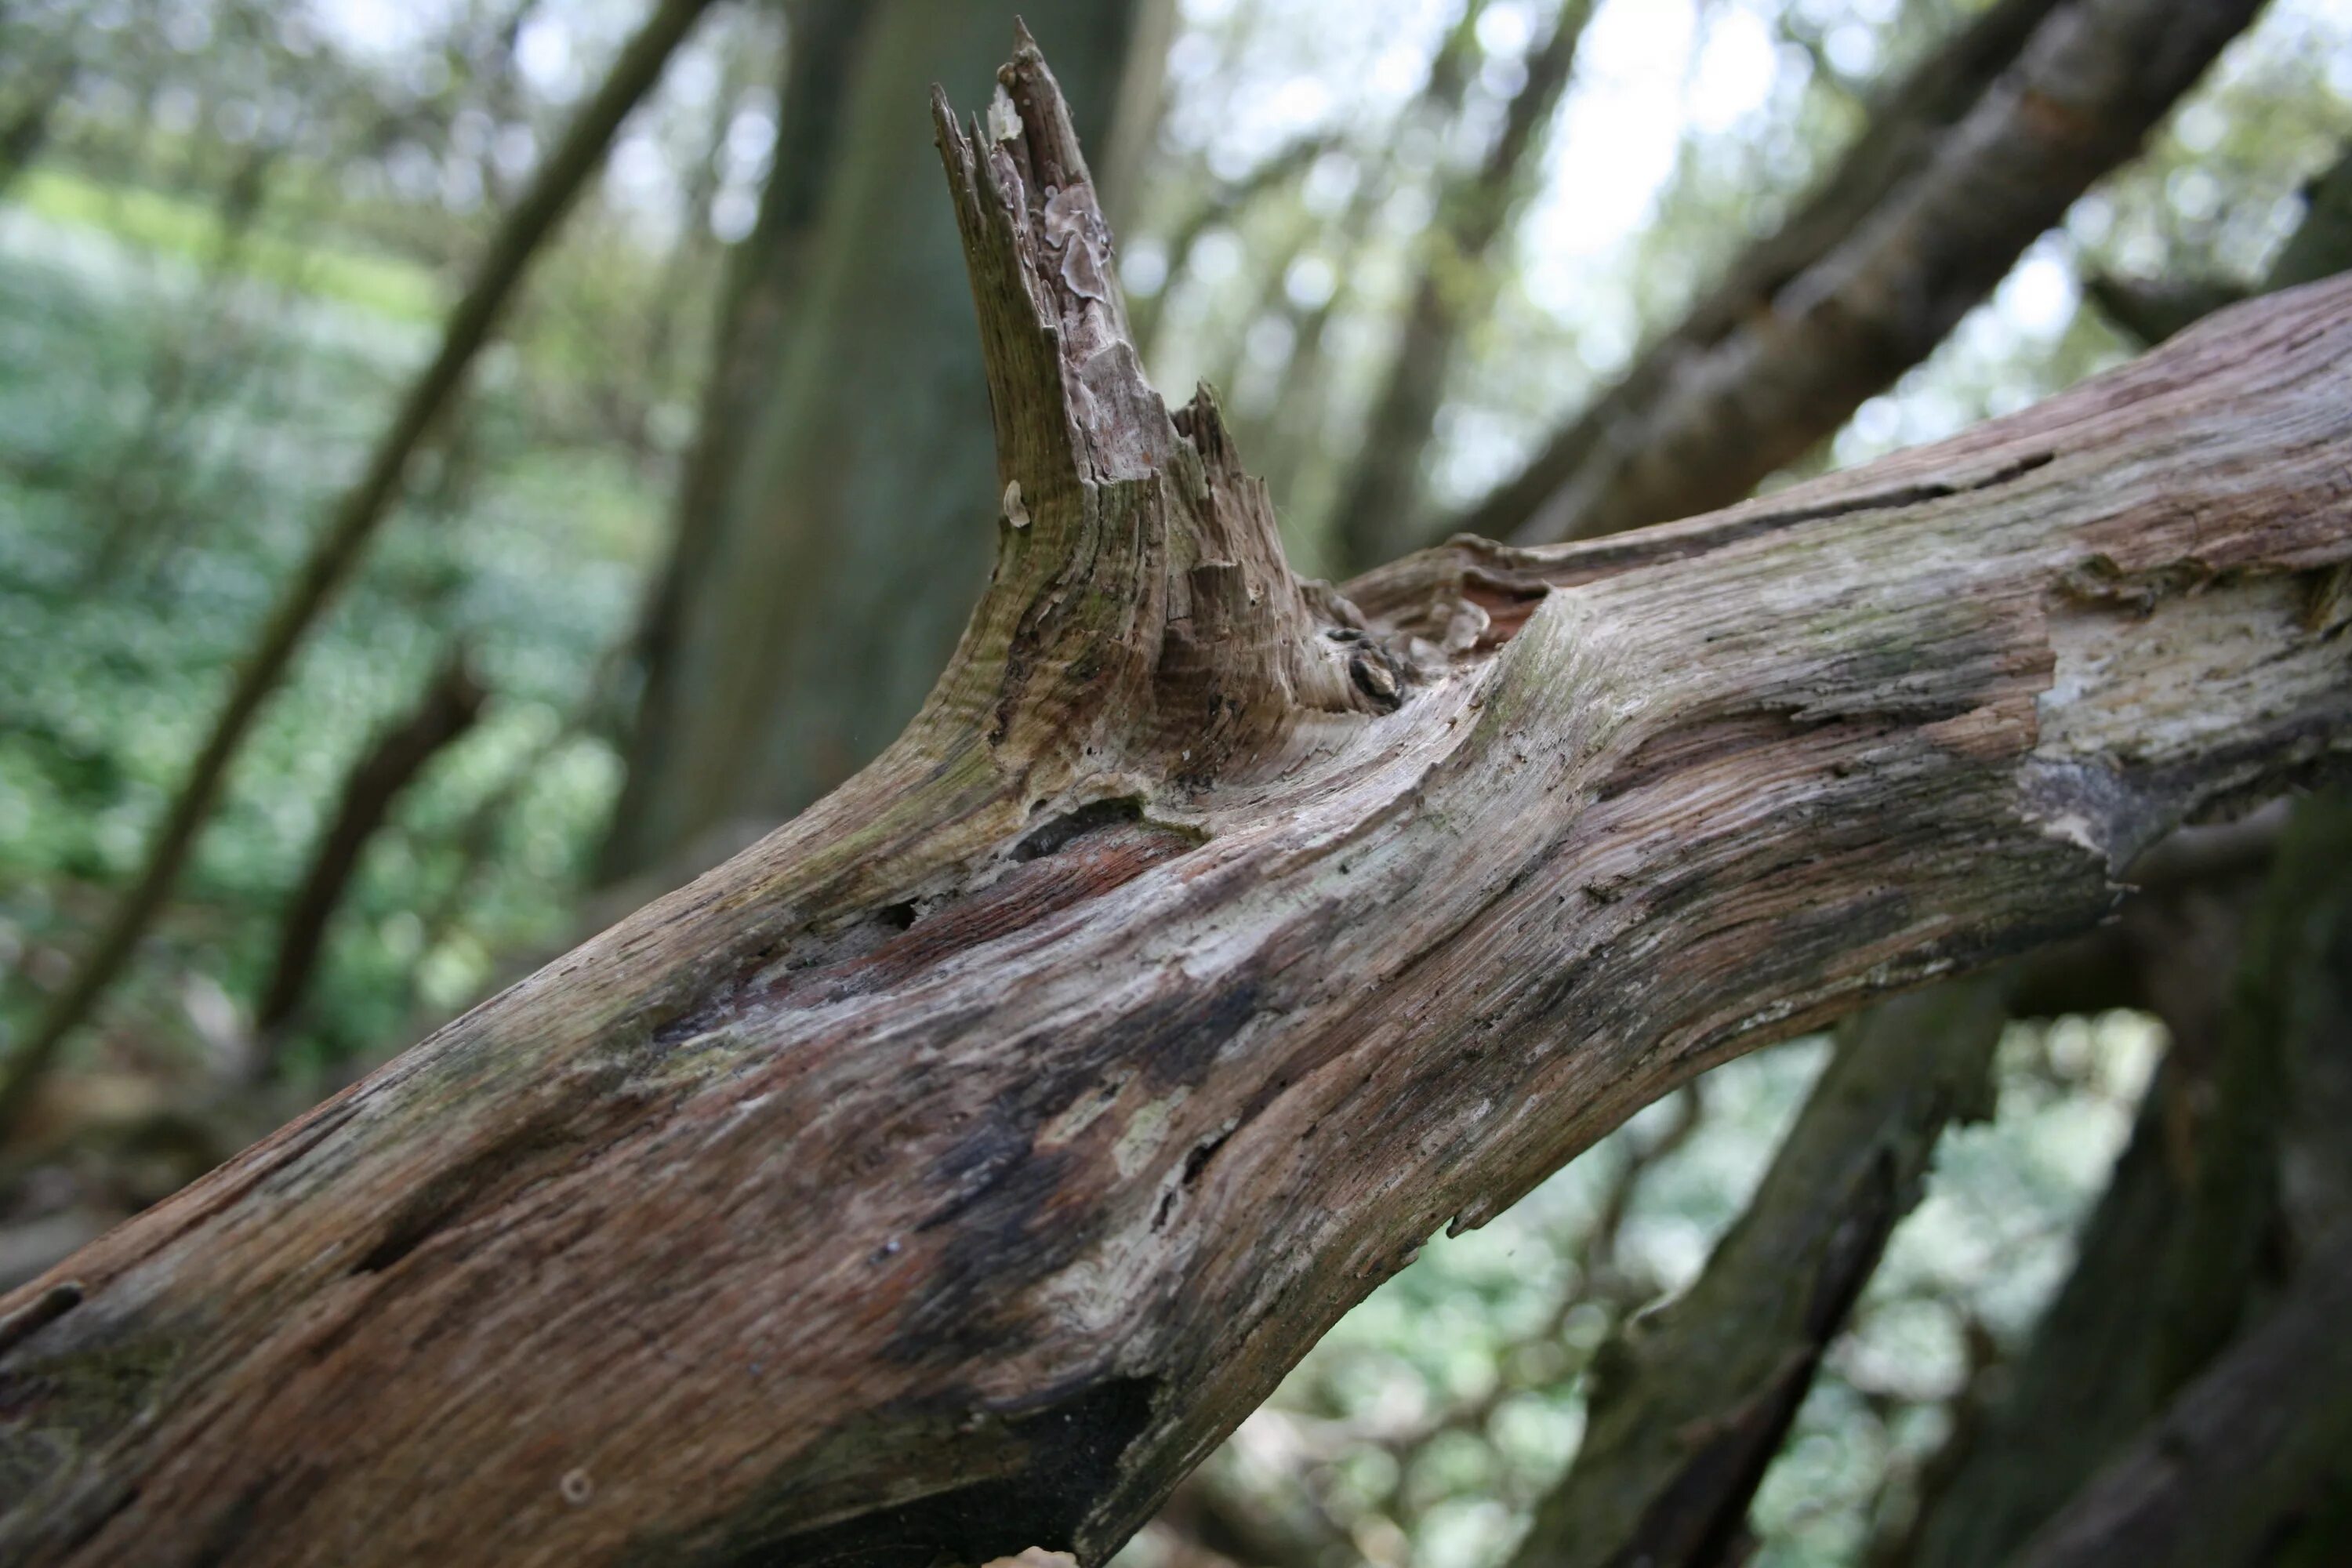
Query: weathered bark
{"type": "Point", "coordinates": [2171, 1258]}
{"type": "Point", "coordinates": [945, 1175]}
{"type": "Point", "coordinates": [1777, 358]}
{"type": "Point", "coordinates": [1380, 516]}
{"type": "Point", "coordinates": [357, 516]}
{"type": "Point", "coordinates": [452, 700]}
{"type": "Point", "coordinates": [825, 558]}
{"type": "Point", "coordinates": [1690, 1403]}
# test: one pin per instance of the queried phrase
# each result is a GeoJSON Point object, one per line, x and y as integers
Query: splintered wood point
{"type": "Point", "coordinates": [1146, 570]}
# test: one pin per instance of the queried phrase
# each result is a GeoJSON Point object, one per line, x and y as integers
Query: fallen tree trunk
{"type": "Point", "coordinates": [946, 1174]}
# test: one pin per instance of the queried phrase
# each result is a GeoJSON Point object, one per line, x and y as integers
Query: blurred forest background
{"type": "Point", "coordinates": [697, 491]}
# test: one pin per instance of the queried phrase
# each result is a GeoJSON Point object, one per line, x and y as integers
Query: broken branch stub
{"type": "Point", "coordinates": [1141, 606]}
{"type": "Point", "coordinates": [945, 1175]}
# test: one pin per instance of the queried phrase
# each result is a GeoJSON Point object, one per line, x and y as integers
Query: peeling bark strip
{"type": "Point", "coordinates": [862, 1203]}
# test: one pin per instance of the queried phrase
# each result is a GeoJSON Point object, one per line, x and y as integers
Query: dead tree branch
{"type": "Point", "coordinates": [945, 1175]}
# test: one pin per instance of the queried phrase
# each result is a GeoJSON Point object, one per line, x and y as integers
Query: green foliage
{"type": "Point", "coordinates": [175, 227]}
{"type": "Point", "coordinates": [526, 547]}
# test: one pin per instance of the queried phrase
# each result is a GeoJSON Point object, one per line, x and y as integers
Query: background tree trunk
{"type": "Point", "coordinates": [825, 555]}
{"type": "Point", "coordinates": [1806, 328]}
{"type": "Point", "coordinates": [2168, 1263]}
{"type": "Point", "coordinates": [2320, 248]}
{"type": "Point", "coordinates": [2252, 1461]}
{"type": "Point", "coordinates": [1689, 1404]}
{"type": "Point", "coordinates": [1902, 128]}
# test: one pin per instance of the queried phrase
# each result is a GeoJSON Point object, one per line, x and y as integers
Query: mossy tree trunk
{"type": "Point", "coordinates": [948, 1173]}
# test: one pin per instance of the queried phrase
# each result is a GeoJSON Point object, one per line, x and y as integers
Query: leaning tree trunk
{"type": "Point", "coordinates": [2252, 1462]}
{"type": "Point", "coordinates": [1905, 123]}
{"type": "Point", "coordinates": [1737, 393]}
{"type": "Point", "coordinates": [2165, 1263]}
{"type": "Point", "coordinates": [1699, 1395]}
{"type": "Point", "coordinates": [948, 1173]}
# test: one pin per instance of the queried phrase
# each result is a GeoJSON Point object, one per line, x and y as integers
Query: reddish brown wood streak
{"type": "Point", "coordinates": [1090, 865]}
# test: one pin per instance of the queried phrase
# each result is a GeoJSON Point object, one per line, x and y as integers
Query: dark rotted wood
{"type": "Point", "coordinates": [949, 1172]}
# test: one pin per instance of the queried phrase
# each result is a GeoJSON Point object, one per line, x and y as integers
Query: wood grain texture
{"type": "Point", "coordinates": [945, 1175]}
